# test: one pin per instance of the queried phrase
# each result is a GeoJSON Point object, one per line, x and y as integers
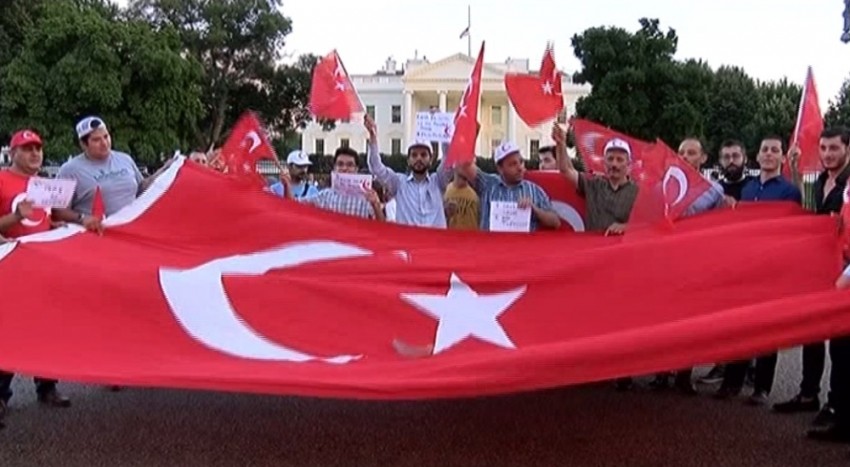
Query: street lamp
{"type": "Point", "coordinates": [845, 38]}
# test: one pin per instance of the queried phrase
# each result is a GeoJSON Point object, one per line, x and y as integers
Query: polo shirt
{"type": "Point", "coordinates": [605, 205]}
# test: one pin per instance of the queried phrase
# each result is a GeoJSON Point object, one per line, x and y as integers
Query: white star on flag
{"type": "Point", "coordinates": [340, 86]}
{"type": "Point", "coordinates": [463, 313]}
{"type": "Point", "coordinates": [547, 87]}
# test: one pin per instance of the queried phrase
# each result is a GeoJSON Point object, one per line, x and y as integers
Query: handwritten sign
{"type": "Point", "coordinates": [506, 216]}
{"type": "Point", "coordinates": [352, 184]}
{"type": "Point", "coordinates": [436, 126]}
{"type": "Point", "coordinates": [50, 192]}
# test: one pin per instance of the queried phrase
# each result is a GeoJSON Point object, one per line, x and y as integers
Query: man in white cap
{"type": "Point", "coordinates": [419, 193]}
{"type": "Point", "coordinates": [609, 198]}
{"type": "Point", "coordinates": [115, 172]}
{"type": "Point", "coordinates": [510, 186]}
{"type": "Point", "coordinates": [298, 163]}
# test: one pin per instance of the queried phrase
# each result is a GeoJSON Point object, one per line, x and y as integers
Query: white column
{"type": "Point", "coordinates": [442, 101]}
{"type": "Point", "coordinates": [483, 133]}
{"type": "Point", "coordinates": [409, 115]}
{"type": "Point", "coordinates": [512, 123]}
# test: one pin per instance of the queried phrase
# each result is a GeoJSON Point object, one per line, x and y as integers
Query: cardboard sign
{"type": "Point", "coordinates": [352, 184]}
{"type": "Point", "coordinates": [435, 127]}
{"type": "Point", "coordinates": [50, 192]}
{"type": "Point", "coordinates": [506, 216]}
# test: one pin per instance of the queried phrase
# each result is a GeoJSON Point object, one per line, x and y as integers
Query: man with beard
{"type": "Point", "coordinates": [833, 417]}
{"type": "Point", "coordinates": [733, 163]}
{"type": "Point", "coordinates": [418, 194]}
{"type": "Point", "coordinates": [18, 217]}
{"type": "Point", "coordinates": [298, 164]}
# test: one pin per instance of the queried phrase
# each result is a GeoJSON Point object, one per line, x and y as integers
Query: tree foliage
{"type": "Point", "coordinates": [78, 59]}
{"type": "Point", "coordinates": [639, 88]}
{"type": "Point", "coordinates": [838, 113]}
{"type": "Point", "coordinates": [237, 43]}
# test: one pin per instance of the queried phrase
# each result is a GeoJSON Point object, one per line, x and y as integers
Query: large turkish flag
{"type": "Point", "coordinates": [205, 283]}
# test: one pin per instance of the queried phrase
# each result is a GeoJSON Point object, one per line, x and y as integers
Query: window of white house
{"type": "Point", "coordinates": [396, 114]}
{"type": "Point", "coordinates": [396, 146]}
{"type": "Point", "coordinates": [319, 146]}
{"type": "Point", "coordinates": [496, 115]}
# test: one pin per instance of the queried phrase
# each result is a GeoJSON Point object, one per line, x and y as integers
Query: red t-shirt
{"type": "Point", "coordinates": [13, 188]}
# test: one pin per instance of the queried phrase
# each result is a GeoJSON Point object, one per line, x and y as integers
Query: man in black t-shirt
{"type": "Point", "coordinates": [733, 166]}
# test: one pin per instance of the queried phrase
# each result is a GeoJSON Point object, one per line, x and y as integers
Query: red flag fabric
{"type": "Point", "coordinates": [808, 129]}
{"type": "Point", "coordinates": [591, 139]}
{"type": "Point", "coordinates": [668, 186]}
{"type": "Point", "coordinates": [570, 207]}
{"type": "Point", "coordinates": [537, 98]}
{"type": "Point", "coordinates": [462, 146]}
{"type": "Point", "coordinates": [246, 145]}
{"type": "Point", "coordinates": [97, 208]}
{"type": "Point", "coordinates": [332, 94]}
{"type": "Point", "coordinates": [312, 302]}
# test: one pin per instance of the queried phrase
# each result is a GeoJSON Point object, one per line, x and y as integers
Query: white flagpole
{"type": "Point", "coordinates": [469, 30]}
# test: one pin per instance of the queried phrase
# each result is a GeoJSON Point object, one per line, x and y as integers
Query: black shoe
{"type": "Point", "coordinates": [54, 399]}
{"type": "Point", "coordinates": [726, 392]}
{"type": "Point", "coordinates": [115, 388]}
{"type": "Point", "coordinates": [825, 417]}
{"type": "Point", "coordinates": [836, 433]}
{"type": "Point", "coordinates": [798, 404]}
{"type": "Point", "coordinates": [714, 376]}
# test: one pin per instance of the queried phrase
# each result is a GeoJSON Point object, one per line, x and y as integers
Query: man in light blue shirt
{"type": "Point", "coordinates": [298, 163]}
{"type": "Point", "coordinates": [418, 194]}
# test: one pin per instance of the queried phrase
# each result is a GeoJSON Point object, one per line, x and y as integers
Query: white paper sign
{"type": "Point", "coordinates": [437, 126]}
{"type": "Point", "coordinates": [352, 184]}
{"type": "Point", "coordinates": [50, 192]}
{"type": "Point", "coordinates": [505, 216]}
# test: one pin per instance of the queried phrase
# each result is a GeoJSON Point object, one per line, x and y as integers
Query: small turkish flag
{"type": "Point", "coordinates": [97, 207]}
{"type": "Point", "coordinates": [462, 146]}
{"type": "Point", "coordinates": [808, 128]}
{"type": "Point", "coordinates": [246, 145]}
{"type": "Point", "coordinates": [566, 202]}
{"type": "Point", "coordinates": [536, 98]}
{"type": "Point", "coordinates": [591, 139]}
{"type": "Point", "coordinates": [668, 186]}
{"type": "Point", "coordinates": [332, 95]}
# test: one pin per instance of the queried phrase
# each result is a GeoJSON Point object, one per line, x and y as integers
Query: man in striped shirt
{"type": "Point", "coordinates": [367, 205]}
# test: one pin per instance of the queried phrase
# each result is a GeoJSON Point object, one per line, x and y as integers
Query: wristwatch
{"type": "Point", "coordinates": [80, 218]}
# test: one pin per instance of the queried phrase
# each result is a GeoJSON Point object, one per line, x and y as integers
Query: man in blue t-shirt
{"type": "Point", "coordinates": [298, 163]}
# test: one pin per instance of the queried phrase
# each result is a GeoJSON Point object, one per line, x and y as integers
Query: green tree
{"type": "Point", "coordinates": [731, 109]}
{"type": "Point", "coordinates": [838, 113]}
{"type": "Point", "coordinates": [78, 59]}
{"type": "Point", "coordinates": [237, 43]}
{"type": "Point", "coordinates": [638, 87]}
{"type": "Point", "coordinates": [776, 114]}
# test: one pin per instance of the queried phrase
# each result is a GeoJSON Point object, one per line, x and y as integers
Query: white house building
{"type": "Point", "coordinates": [393, 96]}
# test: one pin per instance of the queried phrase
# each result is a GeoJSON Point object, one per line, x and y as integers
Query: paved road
{"type": "Point", "coordinates": [583, 426]}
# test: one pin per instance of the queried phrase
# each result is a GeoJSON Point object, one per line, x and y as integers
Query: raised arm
{"type": "Point", "coordinates": [382, 173]}
{"type": "Point", "coordinates": [565, 165]}
{"type": "Point", "coordinates": [444, 171]}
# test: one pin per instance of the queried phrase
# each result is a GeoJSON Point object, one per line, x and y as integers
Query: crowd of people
{"type": "Point", "coordinates": [460, 198]}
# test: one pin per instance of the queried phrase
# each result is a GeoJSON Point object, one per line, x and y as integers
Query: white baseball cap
{"type": "Point", "coordinates": [298, 158]}
{"type": "Point", "coordinates": [505, 149]}
{"type": "Point", "coordinates": [618, 144]}
{"type": "Point", "coordinates": [419, 144]}
{"type": "Point", "coordinates": [88, 125]}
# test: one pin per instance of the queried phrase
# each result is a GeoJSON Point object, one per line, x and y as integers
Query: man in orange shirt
{"type": "Point", "coordinates": [18, 217]}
